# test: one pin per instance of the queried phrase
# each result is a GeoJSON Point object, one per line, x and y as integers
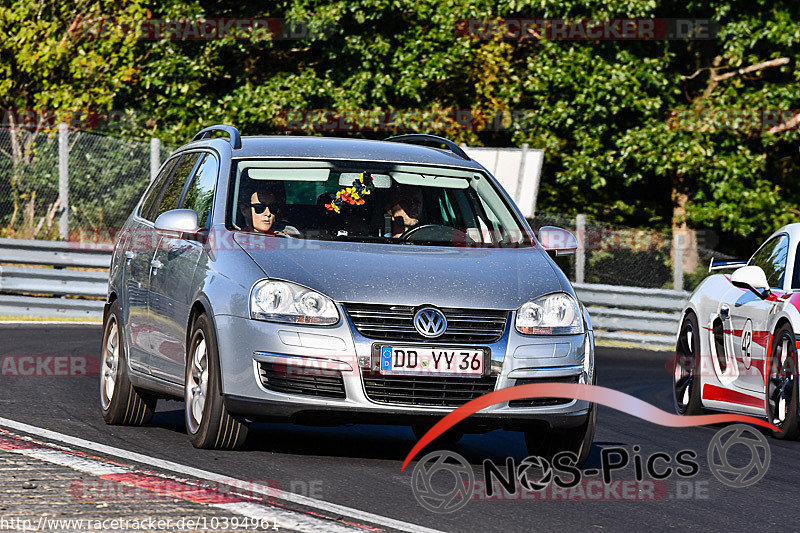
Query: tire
{"type": "Point", "coordinates": [782, 385]}
{"type": "Point", "coordinates": [208, 422]}
{"type": "Point", "coordinates": [686, 378]}
{"type": "Point", "coordinates": [120, 402]}
{"type": "Point", "coordinates": [547, 442]}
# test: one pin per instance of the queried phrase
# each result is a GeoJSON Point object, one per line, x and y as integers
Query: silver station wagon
{"type": "Point", "coordinates": [330, 281]}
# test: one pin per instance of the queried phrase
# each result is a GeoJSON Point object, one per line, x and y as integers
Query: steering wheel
{"type": "Point", "coordinates": [433, 233]}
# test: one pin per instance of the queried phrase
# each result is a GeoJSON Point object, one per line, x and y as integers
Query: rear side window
{"type": "Point", "coordinates": [772, 259]}
{"type": "Point", "coordinates": [155, 191]}
{"type": "Point", "coordinates": [172, 192]}
{"type": "Point", "coordinates": [200, 193]}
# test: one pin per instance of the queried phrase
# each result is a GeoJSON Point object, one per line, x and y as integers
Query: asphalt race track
{"type": "Point", "coordinates": [359, 466]}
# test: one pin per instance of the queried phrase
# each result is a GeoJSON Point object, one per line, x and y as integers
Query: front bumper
{"type": "Point", "coordinates": [245, 343]}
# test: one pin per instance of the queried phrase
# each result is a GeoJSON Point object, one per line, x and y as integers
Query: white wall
{"type": "Point", "coordinates": [517, 169]}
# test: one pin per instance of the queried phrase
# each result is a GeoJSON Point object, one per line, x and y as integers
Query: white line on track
{"type": "Point", "coordinates": [89, 466]}
{"type": "Point", "coordinates": [217, 478]}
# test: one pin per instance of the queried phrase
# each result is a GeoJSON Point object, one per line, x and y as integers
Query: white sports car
{"type": "Point", "coordinates": [737, 345]}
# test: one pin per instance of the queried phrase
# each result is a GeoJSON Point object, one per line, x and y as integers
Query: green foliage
{"type": "Point", "coordinates": [601, 109]}
{"type": "Point", "coordinates": [48, 63]}
{"type": "Point", "coordinates": [52, 70]}
{"type": "Point", "coordinates": [692, 279]}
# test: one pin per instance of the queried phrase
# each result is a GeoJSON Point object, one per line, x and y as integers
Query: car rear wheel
{"type": "Point", "coordinates": [782, 387]}
{"type": "Point", "coordinates": [208, 422]}
{"type": "Point", "coordinates": [120, 402]}
{"type": "Point", "coordinates": [686, 380]}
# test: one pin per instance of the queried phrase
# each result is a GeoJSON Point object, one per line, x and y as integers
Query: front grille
{"type": "Point", "coordinates": [431, 391]}
{"type": "Point", "coordinates": [396, 323]}
{"type": "Point", "coordinates": [542, 402]}
{"type": "Point", "coordinates": [322, 383]}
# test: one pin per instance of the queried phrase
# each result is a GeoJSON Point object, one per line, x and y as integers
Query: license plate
{"type": "Point", "coordinates": [424, 360]}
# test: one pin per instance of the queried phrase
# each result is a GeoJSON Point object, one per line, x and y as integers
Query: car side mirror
{"type": "Point", "coordinates": [178, 221]}
{"type": "Point", "coordinates": [557, 240]}
{"type": "Point", "coordinates": [751, 277]}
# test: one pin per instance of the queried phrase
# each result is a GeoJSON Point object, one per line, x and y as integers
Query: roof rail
{"type": "Point", "coordinates": [235, 137]}
{"type": "Point", "coordinates": [421, 138]}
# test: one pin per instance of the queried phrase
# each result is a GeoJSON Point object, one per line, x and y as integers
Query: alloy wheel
{"type": "Point", "coordinates": [686, 360]}
{"type": "Point", "coordinates": [108, 372]}
{"type": "Point", "coordinates": [782, 380]}
{"type": "Point", "coordinates": [197, 384]}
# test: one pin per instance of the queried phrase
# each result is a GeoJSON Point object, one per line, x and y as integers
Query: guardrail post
{"type": "Point", "coordinates": [63, 180]}
{"type": "Point", "coordinates": [155, 157]}
{"type": "Point", "coordinates": [677, 262]}
{"type": "Point", "coordinates": [580, 254]}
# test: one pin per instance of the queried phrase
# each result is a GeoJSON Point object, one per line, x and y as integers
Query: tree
{"type": "Point", "coordinates": [51, 69]}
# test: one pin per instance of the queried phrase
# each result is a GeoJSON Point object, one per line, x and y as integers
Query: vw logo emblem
{"type": "Point", "coordinates": [430, 322]}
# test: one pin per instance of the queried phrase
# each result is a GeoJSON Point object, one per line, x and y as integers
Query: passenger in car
{"type": "Point", "coordinates": [263, 211]}
{"type": "Point", "coordinates": [405, 208]}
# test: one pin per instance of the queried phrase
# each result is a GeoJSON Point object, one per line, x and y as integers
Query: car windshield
{"type": "Point", "coordinates": [368, 202]}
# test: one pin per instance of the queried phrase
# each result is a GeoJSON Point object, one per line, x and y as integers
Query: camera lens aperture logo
{"type": "Point", "coordinates": [442, 482]}
{"type": "Point", "coordinates": [534, 473]}
{"type": "Point", "coordinates": [738, 476]}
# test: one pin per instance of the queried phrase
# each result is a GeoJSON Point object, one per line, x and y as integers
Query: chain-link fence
{"type": "Point", "coordinates": [106, 177]}
{"type": "Point", "coordinates": [618, 255]}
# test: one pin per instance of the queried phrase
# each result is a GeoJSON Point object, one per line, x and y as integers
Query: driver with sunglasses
{"type": "Point", "coordinates": [262, 213]}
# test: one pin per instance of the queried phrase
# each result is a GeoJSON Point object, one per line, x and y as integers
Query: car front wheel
{"type": "Point", "coordinates": [208, 422]}
{"type": "Point", "coordinates": [547, 443]}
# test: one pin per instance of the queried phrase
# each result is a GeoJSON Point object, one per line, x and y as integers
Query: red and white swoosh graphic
{"type": "Point", "coordinates": [590, 393]}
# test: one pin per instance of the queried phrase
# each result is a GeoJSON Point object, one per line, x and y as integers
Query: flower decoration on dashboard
{"type": "Point", "coordinates": [352, 195]}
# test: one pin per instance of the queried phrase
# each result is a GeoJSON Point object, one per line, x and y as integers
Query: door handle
{"type": "Point", "coordinates": [155, 264]}
{"type": "Point", "coordinates": [724, 312]}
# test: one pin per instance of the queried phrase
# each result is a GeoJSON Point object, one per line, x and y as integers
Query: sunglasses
{"type": "Point", "coordinates": [259, 208]}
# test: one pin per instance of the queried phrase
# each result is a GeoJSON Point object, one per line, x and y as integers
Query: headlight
{"type": "Point", "coordinates": [280, 301]}
{"type": "Point", "coordinates": [554, 314]}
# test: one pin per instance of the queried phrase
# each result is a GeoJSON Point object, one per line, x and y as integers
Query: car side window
{"type": "Point", "coordinates": [772, 260]}
{"type": "Point", "coordinates": [172, 192]}
{"type": "Point", "coordinates": [796, 276]}
{"type": "Point", "coordinates": [200, 194]}
{"type": "Point", "coordinates": [155, 191]}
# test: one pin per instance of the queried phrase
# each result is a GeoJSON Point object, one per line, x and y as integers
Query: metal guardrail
{"type": "Point", "coordinates": [633, 314]}
{"type": "Point", "coordinates": [55, 253]}
{"type": "Point", "coordinates": [62, 286]}
{"type": "Point", "coordinates": [52, 278]}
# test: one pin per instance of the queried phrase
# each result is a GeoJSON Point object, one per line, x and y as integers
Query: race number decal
{"type": "Point", "coordinates": [747, 343]}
